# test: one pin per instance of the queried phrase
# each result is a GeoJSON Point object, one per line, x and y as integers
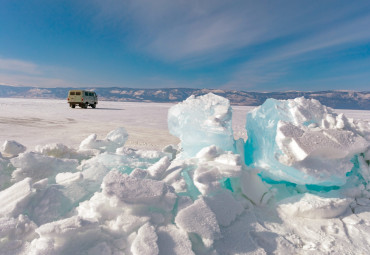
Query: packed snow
{"type": "Point", "coordinates": [294, 180]}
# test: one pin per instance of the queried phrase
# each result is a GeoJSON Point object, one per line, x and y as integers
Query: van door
{"type": "Point", "coordinates": [74, 96]}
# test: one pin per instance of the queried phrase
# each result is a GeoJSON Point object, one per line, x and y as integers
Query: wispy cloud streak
{"type": "Point", "coordinates": [174, 30]}
{"type": "Point", "coordinates": [19, 66]}
{"type": "Point", "coordinates": [17, 72]}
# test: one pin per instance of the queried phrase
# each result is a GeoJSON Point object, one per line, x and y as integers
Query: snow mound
{"type": "Point", "coordinates": [303, 142]}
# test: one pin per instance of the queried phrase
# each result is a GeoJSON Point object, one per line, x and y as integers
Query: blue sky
{"type": "Point", "coordinates": [227, 44]}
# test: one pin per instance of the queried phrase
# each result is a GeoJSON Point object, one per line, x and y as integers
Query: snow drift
{"type": "Point", "coordinates": [211, 195]}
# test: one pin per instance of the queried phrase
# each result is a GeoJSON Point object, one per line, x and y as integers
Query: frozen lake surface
{"type": "Point", "coordinates": [42, 121]}
{"type": "Point", "coordinates": [106, 198]}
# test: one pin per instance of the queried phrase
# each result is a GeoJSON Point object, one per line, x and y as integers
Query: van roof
{"type": "Point", "coordinates": [74, 90]}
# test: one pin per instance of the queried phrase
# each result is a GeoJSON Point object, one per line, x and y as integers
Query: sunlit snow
{"type": "Point", "coordinates": [298, 185]}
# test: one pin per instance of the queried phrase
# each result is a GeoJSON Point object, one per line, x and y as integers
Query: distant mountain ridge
{"type": "Point", "coordinates": [332, 98]}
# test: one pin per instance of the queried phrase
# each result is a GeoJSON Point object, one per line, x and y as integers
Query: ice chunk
{"type": "Point", "coordinates": [364, 169]}
{"type": "Point", "coordinates": [229, 158]}
{"type": "Point", "coordinates": [170, 149]}
{"type": "Point", "coordinates": [6, 170]}
{"type": "Point", "coordinates": [225, 207]}
{"type": "Point", "coordinates": [99, 249]}
{"type": "Point", "coordinates": [59, 150]}
{"type": "Point", "coordinates": [174, 176]}
{"type": "Point", "coordinates": [41, 184]}
{"type": "Point", "coordinates": [254, 188]}
{"type": "Point", "coordinates": [132, 190]}
{"type": "Point", "coordinates": [367, 155]}
{"type": "Point", "coordinates": [144, 154]}
{"type": "Point", "coordinates": [138, 191]}
{"type": "Point", "coordinates": [14, 199]}
{"type": "Point", "coordinates": [128, 222]}
{"type": "Point", "coordinates": [207, 179]}
{"type": "Point", "coordinates": [237, 238]}
{"type": "Point", "coordinates": [15, 234]}
{"type": "Point", "coordinates": [117, 216]}
{"type": "Point", "coordinates": [156, 171]}
{"type": "Point", "coordinates": [302, 141]}
{"type": "Point", "coordinates": [38, 166]}
{"type": "Point", "coordinates": [118, 136]}
{"type": "Point", "coordinates": [68, 177]}
{"type": "Point", "coordinates": [114, 139]}
{"type": "Point", "coordinates": [145, 242]}
{"type": "Point", "coordinates": [139, 173]}
{"type": "Point", "coordinates": [40, 202]}
{"type": "Point", "coordinates": [314, 207]}
{"type": "Point", "coordinates": [298, 143]}
{"type": "Point", "coordinates": [200, 122]}
{"type": "Point", "coordinates": [209, 175]}
{"type": "Point", "coordinates": [209, 153]}
{"type": "Point", "coordinates": [198, 218]}
{"type": "Point", "coordinates": [48, 205]}
{"type": "Point", "coordinates": [12, 148]}
{"type": "Point", "coordinates": [68, 236]}
{"type": "Point", "coordinates": [96, 208]}
{"type": "Point", "coordinates": [96, 168]}
{"type": "Point", "coordinates": [173, 241]}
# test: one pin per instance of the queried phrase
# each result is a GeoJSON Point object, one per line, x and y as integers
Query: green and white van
{"type": "Point", "coordinates": [82, 98]}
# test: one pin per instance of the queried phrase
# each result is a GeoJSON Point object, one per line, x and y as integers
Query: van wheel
{"type": "Point", "coordinates": [86, 105]}
{"type": "Point", "coordinates": [73, 105]}
{"type": "Point", "coordinates": [93, 106]}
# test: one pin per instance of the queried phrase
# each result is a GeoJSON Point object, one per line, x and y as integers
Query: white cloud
{"type": "Point", "coordinates": [17, 72]}
{"type": "Point", "coordinates": [32, 81]}
{"type": "Point", "coordinates": [183, 30]}
{"type": "Point", "coordinates": [18, 66]}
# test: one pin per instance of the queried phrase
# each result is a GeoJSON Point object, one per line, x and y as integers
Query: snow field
{"type": "Point", "coordinates": [44, 121]}
{"type": "Point", "coordinates": [105, 197]}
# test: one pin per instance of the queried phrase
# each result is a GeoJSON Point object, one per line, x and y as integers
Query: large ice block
{"type": "Point", "coordinates": [303, 142]}
{"type": "Point", "coordinates": [200, 122]}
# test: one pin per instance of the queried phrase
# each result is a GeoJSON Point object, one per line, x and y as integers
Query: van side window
{"type": "Point", "coordinates": [90, 94]}
{"type": "Point", "coordinates": [72, 93]}
{"type": "Point", "coordinates": [78, 93]}
{"type": "Point", "coordinates": [86, 93]}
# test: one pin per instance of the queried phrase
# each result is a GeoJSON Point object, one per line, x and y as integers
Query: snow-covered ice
{"type": "Point", "coordinates": [298, 185]}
